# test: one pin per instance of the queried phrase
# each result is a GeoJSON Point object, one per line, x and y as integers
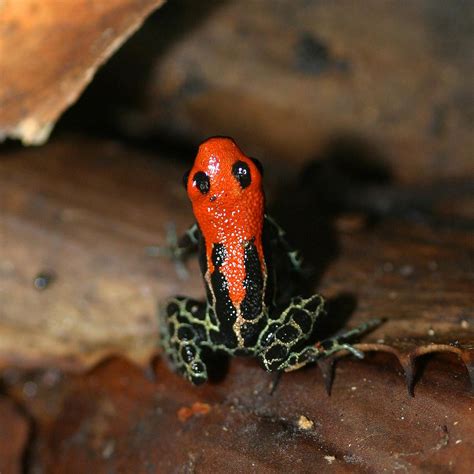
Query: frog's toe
{"type": "Point", "coordinates": [191, 364]}
{"type": "Point", "coordinates": [314, 304]}
{"type": "Point", "coordinates": [197, 373]}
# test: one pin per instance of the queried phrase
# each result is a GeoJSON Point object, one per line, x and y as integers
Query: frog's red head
{"type": "Point", "coordinates": [225, 188]}
{"type": "Point", "coordinates": [224, 180]}
{"type": "Point", "coordinates": [222, 175]}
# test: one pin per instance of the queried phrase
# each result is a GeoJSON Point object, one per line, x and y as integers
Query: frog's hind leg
{"type": "Point", "coordinates": [281, 342]}
{"type": "Point", "coordinates": [286, 349]}
{"type": "Point", "coordinates": [182, 331]}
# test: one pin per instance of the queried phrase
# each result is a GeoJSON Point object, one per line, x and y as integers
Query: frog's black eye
{"type": "Point", "coordinates": [201, 180]}
{"type": "Point", "coordinates": [241, 172]}
{"type": "Point", "coordinates": [258, 165]}
{"type": "Point", "coordinates": [185, 179]}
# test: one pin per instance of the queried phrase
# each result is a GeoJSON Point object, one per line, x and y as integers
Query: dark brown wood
{"type": "Point", "coordinates": [79, 211]}
{"type": "Point", "coordinates": [114, 419]}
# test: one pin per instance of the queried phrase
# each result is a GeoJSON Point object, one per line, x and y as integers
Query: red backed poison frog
{"type": "Point", "coordinates": [244, 257]}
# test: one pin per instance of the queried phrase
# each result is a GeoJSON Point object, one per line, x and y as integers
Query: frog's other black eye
{"type": "Point", "coordinates": [241, 172]}
{"type": "Point", "coordinates": [185, 179]}
{"type": "Point", "coordinates": [258, 165]}
{"type": "Point", "coordinates": [201, 180]}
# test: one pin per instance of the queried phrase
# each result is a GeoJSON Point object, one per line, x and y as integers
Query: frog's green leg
{"type": "Point", "coordinates": [294, 357]}
{"type": "Point", "coordinates": [334, 344]}
{"type": "Point", "coordinates": [339, 342]}
{"type": "Point", "coordinates": [188, 242]}
{"type": "Point", "coordinates": [182, 333]}
{"type": "Point", "coordinates": [281, 342]}
{"type": "Point", "coordinates": [177, 248]}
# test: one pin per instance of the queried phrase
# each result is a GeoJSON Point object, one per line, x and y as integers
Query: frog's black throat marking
{"type": "Point", "coordinates": [252, 304]}
{"type": "Point", "coordinates": [222, 307]}
{"type": "Point", "coordinates": [237, 328]}
{"type": "Point", "coordinates": [226, 312]}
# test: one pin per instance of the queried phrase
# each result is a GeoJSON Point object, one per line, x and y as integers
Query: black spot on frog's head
{"type": "Point", "coordinates": [202, 182]}
{"type": "Point", "coordinates": [241, 172]}
{"type": "Point", "coordinates": [222, 175]}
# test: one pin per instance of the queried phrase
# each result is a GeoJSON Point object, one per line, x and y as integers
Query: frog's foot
{"type": "Point", "coordinates": [327, 347]}
{"type": "Point", "coordinates": [181, 335]}
{"type": "Point", "coordinates": [282, 341]}
{"type": "Point", "coordinates": [340, 341]}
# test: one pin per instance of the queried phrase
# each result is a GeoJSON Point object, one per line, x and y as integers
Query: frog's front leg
{"type": "Point", "coordinates": [277, 238]}
{"type": "Point", "coordinates": [178, 249]}
{"type": "Point", "coordinates": [182, 332]}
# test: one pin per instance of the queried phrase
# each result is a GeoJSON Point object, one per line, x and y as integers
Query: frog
{"type": "Point", "coordinates": [248, 266]}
